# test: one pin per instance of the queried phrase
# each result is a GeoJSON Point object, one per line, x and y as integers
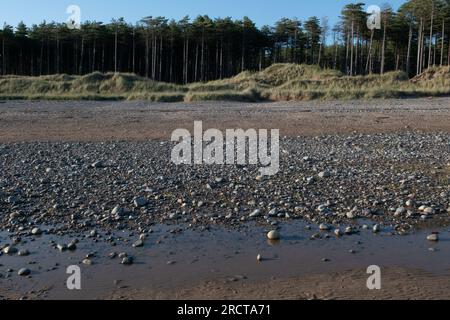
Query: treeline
{"type": "Point", "coordinates": [411, 39]}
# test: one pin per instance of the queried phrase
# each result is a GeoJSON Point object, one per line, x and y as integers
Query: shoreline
{"type": "Point", "coordinates": [386, 165]}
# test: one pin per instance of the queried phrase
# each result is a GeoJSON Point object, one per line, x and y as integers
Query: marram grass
{"type": "Point", "coordinates": [280, 82]}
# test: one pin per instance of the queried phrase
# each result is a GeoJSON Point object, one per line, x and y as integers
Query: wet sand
{"type": "Point", "coordinates": [138, 121]}
{"type": "Point", "coordinates": [220, 263]}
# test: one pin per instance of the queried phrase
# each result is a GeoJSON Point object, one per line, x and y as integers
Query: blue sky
{"type": "Point", "coordinates": [262, 11]}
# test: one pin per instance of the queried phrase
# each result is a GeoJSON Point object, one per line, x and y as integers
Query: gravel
{"type": "Point", "coordinates": [392, 179]}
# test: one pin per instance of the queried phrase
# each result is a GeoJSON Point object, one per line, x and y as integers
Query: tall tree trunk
{"type": "Point", "coordinates": [408, 54]}
{"type": "Point", "coordinates": [243, 49]}
{"type": "Point", "coordinates": [82, 55]}
{"type": "Point", "coordinates": [356, 51]}
{"type": "Point", "coordinates": [419, 47]}
{"type": "Point", "coordinates": [352, 44]}
{"type": "Point", "coordinates": [196, 63]}
{"type": "Point", "coordinates": [431, 35]}
{"type": "Point", "coordinates": [116, 36]}
{"type": "Point", "coordinates": [57, 53]}
{"type": "Point", "coordinates": [187, 60]}
{"type": "Point", "coordinates": [41, 58]}
{"type": "Point", "coordinates": [160, 57]}
{"type": "Point", "coordinates": [4, 55]}
{"type": "Point", "coordinates": [147, 56]}
{"type": "Point", "coordinates": [335, 50]}
{"type": "Point", "coordinates": [134, 51]}
{"type": "Point", "coordinates": [94, 49]}
{"type": "Point", "coordinates": [369, 54]}
{"type": "Point", "coordinates": [202, 59]}
{"type": "Point", "coordinates": [383, 49]}
{"type": "Point", "coordinates": [442, 42]}
{"type": "Point", "coordinates": [221, 58]}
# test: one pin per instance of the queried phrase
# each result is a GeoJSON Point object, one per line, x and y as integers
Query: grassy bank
{"type": "Point", "coordinates": [279, 82]}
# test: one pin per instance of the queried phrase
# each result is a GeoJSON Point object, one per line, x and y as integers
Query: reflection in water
{"type": "Point", "coordinates": [170, 260]}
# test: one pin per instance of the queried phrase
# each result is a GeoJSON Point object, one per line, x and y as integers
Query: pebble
{"type": "Point", "coordinates": [350, 215]}
{"type": "Point", "coordinates": [255, 213]}
{"type": "Point", "coordinates": [140, 202]}
{"type": "Point", "coordinates": [97, 165]}
{"type": "Point", "coordinates": [433, 237]}
{"type": "Point", "coordinates": [127, 261]}
{"type": "Point", "coordinates": [138, 244]}
{"type": "Point", "coordinates": [24, 272]}
{"type": "Point", "coordinates": [23, 252]}
{"type": "Point", "coordinates": [117, 211]}
{"type": "Point", "coordinates": [72, 246]}
{"type": "Point", "coordinates": [376, 228]}
{"type": "Point", "coordinates": [324, 227]}
{"type": "Point", "coordinates": [324, 174]}
{"type": "Point", "coordinates": [273, 235]}
{"type": "Point", "coordinates": [10, 250]}
{"type": "Point", "coordinates": [400, 211]}
{"type": "Point", "coordinates": [36, 231]}
{"type": "Point", "coordinates": [409, 203]}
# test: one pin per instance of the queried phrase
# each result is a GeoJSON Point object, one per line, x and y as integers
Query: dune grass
{"type": "Point", "coordinates": [280, 82]}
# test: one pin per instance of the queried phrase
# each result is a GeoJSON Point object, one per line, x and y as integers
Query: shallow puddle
{"type": "Point", "coordinates": [177, 260]}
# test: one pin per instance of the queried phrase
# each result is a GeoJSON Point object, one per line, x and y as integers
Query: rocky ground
{"type": "Point", "coordinates": [82, 188]}
{"type": "Point", "coordinates": [398, 179]}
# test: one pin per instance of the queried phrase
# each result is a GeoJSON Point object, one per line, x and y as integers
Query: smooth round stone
{"type": "Point", "coordinates": [324, 174]}
{"type": "Point", "coordinates": [348, 230]}
{"type": "Point", "coordinates": [350, 215]}
{"type": "Point", "coordinates": [273, 213]}
{"type": "Point", "coordinates": [23, 252]}
{"type": "Point", "coordinates": [400, 211]}
{"type": "Point", "coordinates": [255, 213]}
{"type": "Point", "coordinates": [36, 231]}
{"type": "Point", "coordinates": [127, 261]}
{"type": "Point", "coordinates": [138, 244]}
{"type": "Point", "coordinates": [433, 237]}
{"type": "Point", "coordinates": [273, 235]}
{"type": "Point", "coordinates": [24, 272]}
{"type": "Point", "coordinates": [61, 247]}
{"type": "Point", "coordinates": [87, 262]}
{"type": "Point", "coordinates": [376, 228]}
{"type": "Point", "coordinates": [324, 227]}
{"type": "Point", "coordinates": [72, 246]}
{"type": "Point", "coordinates": [117, 211]}
{"type": "Point", "coordinates": [338, 232]}
{"type": "Point", "coordinates": [429, 210]}
{"type": "Point", "coordinates": [10, 250]}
